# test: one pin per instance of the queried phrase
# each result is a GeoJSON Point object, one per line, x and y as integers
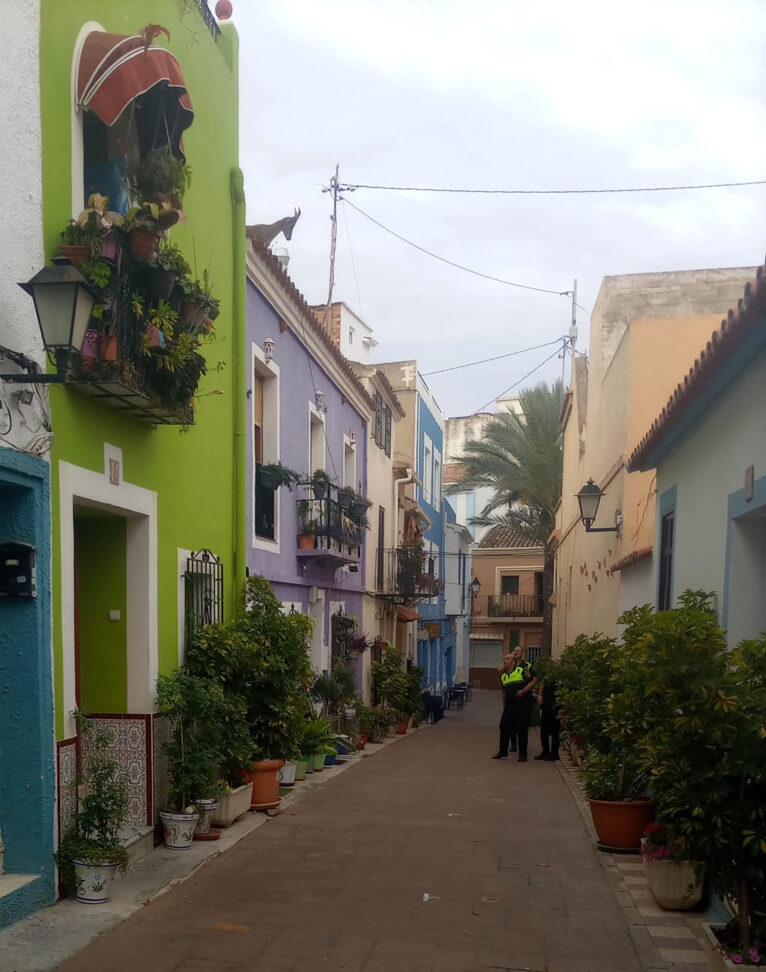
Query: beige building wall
{"type": "Point", "coordinates": [645, 330]}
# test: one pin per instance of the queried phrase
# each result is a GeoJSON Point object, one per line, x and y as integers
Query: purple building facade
{"type": "Point", "coordinates": [308, 411]}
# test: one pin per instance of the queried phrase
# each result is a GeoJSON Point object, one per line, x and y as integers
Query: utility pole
{"type": "Point", "coordinates": [571, 341]}
{"type": "Point", "coordinates": [333, 242]}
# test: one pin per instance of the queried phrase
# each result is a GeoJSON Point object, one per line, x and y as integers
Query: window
{"type": "Point", "coordinates": [379, 567]}
{"type": "Point", "coordinates": [427, 469]}
{"type": "Point", "coordinates": [349, 463]}
{"type": "Point", "coordinates": [437, 477]}
{"type": "Point", "coordinates": [387, 430]}
{"type": "Point", "coordinates": [350, 336]}
{"type": "Point", "coordinates": [316, 440]}
{"type": "Point", "coordinates": [265, 399]}
{"type": "Point", "coordinates": [203, 591]}
{"type": "Point", "coordinates": [509, 584]}
{"type": "Point", "coordinates": [664, 596]}
{"type": "Point", "coordinates": [433, 561]}
{"type": "Point", "coordinates": [382, 431]}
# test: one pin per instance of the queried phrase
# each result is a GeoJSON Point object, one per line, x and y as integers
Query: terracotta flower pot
{"type": "Point", "coordinates": [620, 823]}
{"type": "Point", "coordinates": [403, 726]}
{"type": "Point", "coordinates": [190, 315]}
{"type": "Point", "coordinates": [363, 737]}
{"type": "Point", "coordinates": [155, 338]}
{"type": "Point", "coordinates": [75, 253]}
{"type": "Point", "coordinates": [143, 244]}
{"type": "Point", "coordinates": [158, 282]}
{"type": "Point", "coordinates": [263, 775]}
{"type": "Point", "coordinates": [306, 541]}
{"type": "Point", "coordinates": [108, 346]}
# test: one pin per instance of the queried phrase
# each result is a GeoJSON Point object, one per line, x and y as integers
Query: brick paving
{"type": "Point", "coordinates": [427, 856]}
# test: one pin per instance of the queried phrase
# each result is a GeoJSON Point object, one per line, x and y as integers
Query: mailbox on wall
{"type": "Point", "coordinates": [18, 573]}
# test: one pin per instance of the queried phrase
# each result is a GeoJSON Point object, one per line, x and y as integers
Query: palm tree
{"type": "Point", "coordinates": [520, 459]}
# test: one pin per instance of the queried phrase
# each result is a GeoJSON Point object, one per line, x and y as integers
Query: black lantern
{"type": "Point", "coordinates": [475, 587]}
{"type": "Point", "coordinates": [63, 303]}
{"type": "Point", "coordinates": [589, 498]}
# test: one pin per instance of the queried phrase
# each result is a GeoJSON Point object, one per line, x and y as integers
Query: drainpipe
{"type": "Point", "coordinates": [239, 382]}
{"type": "Point", "coordinates": [395, 508]}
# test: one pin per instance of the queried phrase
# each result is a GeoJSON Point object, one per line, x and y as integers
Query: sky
{"type": "Point", "coordinates": [500, 94]}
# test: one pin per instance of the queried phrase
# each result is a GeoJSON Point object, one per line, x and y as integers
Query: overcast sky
{"type": "Point", "coordinates": [500, 94]}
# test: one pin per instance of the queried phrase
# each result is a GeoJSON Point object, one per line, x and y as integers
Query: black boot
{"type": "Point", "coordinates": [500, 755]}
{"type": "Point", "coordinates": [542, 756]}
{"type": "Point", "coordinates": [523, 759]}
{"type": "Point", "coordinates": [549, 757]}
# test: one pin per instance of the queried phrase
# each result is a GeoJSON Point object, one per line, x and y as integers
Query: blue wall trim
{"type": "Point", "coordinates": [27, 768]}
{"type": "Point", "coordinates": [727, 371]}
{"type": "Point", "coordinates": [738, 506]}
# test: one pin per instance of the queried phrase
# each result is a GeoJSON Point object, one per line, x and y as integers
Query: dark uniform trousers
{"type": "Point", "coordinates": [549, 733]}
{"type": "Point", "coordinates": [514, 725]}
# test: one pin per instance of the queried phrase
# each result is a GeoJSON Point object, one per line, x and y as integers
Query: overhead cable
{"type": "Point", "coordinates": [353, 186]}
{"type": "Point", "coordinates": [497, 357]}
{"type": "Point", "coordinates": [523, 378]}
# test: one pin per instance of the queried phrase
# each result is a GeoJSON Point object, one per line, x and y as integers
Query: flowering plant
{"type": "Point", "coordinates": [750, 956]}
{"type": "Point", "coordinates": [656, 845]}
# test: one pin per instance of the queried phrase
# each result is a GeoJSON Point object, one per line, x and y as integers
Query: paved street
{"type": "Point", "coordinates": [427, 856]}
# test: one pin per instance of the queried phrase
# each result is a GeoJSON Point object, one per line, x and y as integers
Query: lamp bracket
{"type": "Point", "coordinates": [34, 376]}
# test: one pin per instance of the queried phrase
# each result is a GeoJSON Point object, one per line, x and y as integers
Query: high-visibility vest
{"type": "Point", "coordinates": [517, 675]}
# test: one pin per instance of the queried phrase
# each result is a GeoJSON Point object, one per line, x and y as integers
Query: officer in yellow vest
{"type": "Point", "coordinates": [518, 680]}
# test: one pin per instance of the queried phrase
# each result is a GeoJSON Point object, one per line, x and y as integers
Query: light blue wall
{"type": "Point", "coordinates": [27, 774]}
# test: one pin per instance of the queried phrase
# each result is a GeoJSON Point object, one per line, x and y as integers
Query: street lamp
{"type": "Point", "coordinates": [475, 587]}
{"type": "Point", "coordinates": [589, 498]}
{"type": "Point", "coordinates": [63, 302]}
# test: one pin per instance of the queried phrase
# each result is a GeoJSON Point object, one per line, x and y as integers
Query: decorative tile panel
{"type": "Point", "coordinates": [67, 783]}
{"type": "Point", "coordinates": [129, 748]}
{"type": "Point", "coordinates": [161, 734]}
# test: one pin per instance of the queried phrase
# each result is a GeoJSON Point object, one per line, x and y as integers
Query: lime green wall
{"type": "Point", "coordinates": [101, 588]}
{"type": "Point", "coordinates": [193, 473]}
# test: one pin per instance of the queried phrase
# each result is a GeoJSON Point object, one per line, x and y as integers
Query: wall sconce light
{"type": "Point", "coordinates": [319, 401]}
{"type": "Point", "coordinates": [352, 436]}
{"type": "Point", "coordinates": [589, 498]}
{"type": "Point", "coordinates": [63, 303]}
{"type": "Point", "coordinates": [269, 347]}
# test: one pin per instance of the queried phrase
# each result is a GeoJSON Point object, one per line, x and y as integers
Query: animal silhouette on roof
{"type": "Point", "coordinates": [266, 232]}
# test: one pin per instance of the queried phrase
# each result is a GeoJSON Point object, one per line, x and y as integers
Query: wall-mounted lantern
{"type": "Point", "coordinates": [63, 302]}
{"type": "Point", "coordinates": [352, 436]}
{"type": "Point", "coordinates": [269, 348]}
{"type": "Point", "coordinates": [319, 401]}
{"type": "Point", "coordinates": [589, 498]}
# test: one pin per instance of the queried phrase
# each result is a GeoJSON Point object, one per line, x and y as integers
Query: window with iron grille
{"type": "Point", "coordinates": [387, 430]}
{"type": "Point", "coordinates": [666, 562]}
{"type": "Point", "coordinates": [203, 591]}
{"type": "Point", "coordinates": [379, 431]}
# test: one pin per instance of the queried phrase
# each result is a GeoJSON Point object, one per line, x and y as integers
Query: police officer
{"type": "Point", "coordinates": [518, 680]}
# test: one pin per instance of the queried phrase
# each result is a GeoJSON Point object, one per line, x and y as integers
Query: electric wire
{"type": "Point", "coordinates": [497, 357]}
{"type": "Point", "coordinates": [452, 263]}
{"type": "Point", "coordinates": [353, 263]}
{"type": "Point", "coordinates": [353, 186]}
{"type": "Point", "coordinates": [523, 378]}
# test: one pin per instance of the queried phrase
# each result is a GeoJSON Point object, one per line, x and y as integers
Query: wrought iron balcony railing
{"type": "Point", "coordinates": [407, 573]}
{"type": "Point", "coordinates": [510, 606]}
{"type": "Point", "coordinates": [328, 530]}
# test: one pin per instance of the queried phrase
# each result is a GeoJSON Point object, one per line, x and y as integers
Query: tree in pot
{"type": "Point", "coordinates": [705, 753]}
{"type": "Point", "coordinates": [199, 713]}
{"type": "Point", "coordinates": [399, 688]}
{"type": "Point", "coordinates": [261, 656]}
{"type": "Point", "coordinates": [92, 851]}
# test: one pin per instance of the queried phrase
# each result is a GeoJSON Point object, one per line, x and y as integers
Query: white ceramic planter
{"type": "Point", "coordinates": [716, 962]}
{"type": "Point", "coordinates": [233, 805]}
{"type": "Point", "coordinates": [206, 810]}
{"type": "Point", "coordinates": [286, 775]}
{"type": "Point", "coordinates": [92, 881]}
{"type": "Point", "coordinates": [179, 829]}
{"type": "Point", "coordinates": [674, 884]}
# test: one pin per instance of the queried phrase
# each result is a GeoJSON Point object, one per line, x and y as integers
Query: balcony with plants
{"type": "Point", "coordinates": [332, 521]}
{"type": "Point", "coordinates": [409, 574]}
{"type": "Point", "coordinates": [141, 354]}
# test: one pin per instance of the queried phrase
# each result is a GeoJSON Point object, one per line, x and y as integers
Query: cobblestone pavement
{"type": "Point", "coordinates": [427, 856]}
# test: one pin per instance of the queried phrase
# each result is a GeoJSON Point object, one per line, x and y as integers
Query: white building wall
{"type": "Point", "coordinates": [356, 340]}
{"type": "Point", "coordinates": [21, 205]}
{"type": "Point", "coordinates": [708, 466]}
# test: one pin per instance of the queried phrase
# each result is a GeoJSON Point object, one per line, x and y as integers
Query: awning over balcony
{"type": "Point", "coordinates": [115, 71]}
{"type": "Point", "coordinates": [407, 614]}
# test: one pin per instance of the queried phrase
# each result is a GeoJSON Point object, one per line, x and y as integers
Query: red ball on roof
{"type": "Point", "coordinates": [223, 9]}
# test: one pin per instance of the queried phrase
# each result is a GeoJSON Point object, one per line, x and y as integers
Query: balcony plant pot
{"type": "Point", "coordinates": [159, 283]}
{"type": "Point", "coordinates": [306, 541]}
{"type": "Point", "coordinates": [92, 881]}
{"type": "Point", "coordinates": [76, 253]}
{"type": "Point", "coordinates": [190, 315]}
{"type": "Point", "coordinates": [206, 810]}
{"type": "Point", "coordinates": [358, 509]}
{"type": "Point", "coordinates": [286, 776]}
{"type": "Point", "coordinates": [232, 806]}
{"type": "Point", "coordinates": [317, 762]}
{"type": "Point", "coordinates": [675, 885]}
{"type": "Point", "coordinates": [178, 829]}
{"type": "Point", "coordinates": [403, 726]}
{"type": "Point", "coordinates": [300, 768]}
{"type": "Point", "coordinates": [263, 775]}
{"type": "Point", "coordinates": [155, 339]}
{"type": "Point", "coordinates": [143, 243]}
{"type": "Point", "coordinates": [108, 347]}
{"type": "Point", "coordinates": [345, 500]}
{"type": "Point", "coordinates": [109, 248]}
{"type": "Point", "coordinates": [620, 823]}
{"type": "Point", "coordinates": [89, 350]}
{"type": "Point", "coordinates": [320, 491]}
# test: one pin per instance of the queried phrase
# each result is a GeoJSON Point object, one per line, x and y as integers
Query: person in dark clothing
{"type": "Point", "coordinates": [433, 706]}
{"type": "Point", "coordinates": [549, 721]}
{"type": "Point", "coordinates": [518, 681]}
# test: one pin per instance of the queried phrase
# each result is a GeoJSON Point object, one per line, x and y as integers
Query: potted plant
{"type": "Point", "coordinates": [365, 720]}
{"type": "Point", "coordinates": [78, 242]}
{"type": "Point", "coordinates": [309, 526]}
{"type": "Point", "coordinates": [198, 305]}
{"type": "Point", "coordinates": [163, 269]}
{"type": "Point", "coordinates": [346, 497]}
{"type": "Point", "coordinates": [91, 853]}
{"type": "Point", "coordinates": [675, 883]}
{"type": "Point", "coordinates": [317, 742]}
{"type": "Point", "coordinates": [144, 224]}
{"type": "Point", "coordinates": [273, 475]}
{"type": "Point", "coordinates": [160, 177]}
{"type": "Point", "coordinates": [194, 705]}
{"type": "Point", "coordinates": [614, 787]}
{"type": "Point", "coordinates": [158, 332]}
{"type": "Point", "coordinates": [320, 482]}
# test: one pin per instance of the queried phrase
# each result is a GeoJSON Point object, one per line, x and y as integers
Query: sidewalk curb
{"type": "Point", "coordinates": [646, 951]}
{"type": "Point", "coordinates": [44, 940]}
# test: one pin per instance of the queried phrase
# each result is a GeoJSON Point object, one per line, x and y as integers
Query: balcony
{"type": "Point", "coordinates": [406, 574]}
{"type": "Point", "coordinates": [509, 606]}
{"type": "Point", "coordinates": [328, 533]}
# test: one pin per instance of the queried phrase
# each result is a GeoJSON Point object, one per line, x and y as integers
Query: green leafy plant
{"type": "Point", "coordinates": [278, 475]}
{"type": "Point", "coordinates": [364, 715]}
{"type": "Point", "coordinates": [159, 171]}
{"type": "Point", "coordinates": [170, 258]}
{"type": "Point", "coordinates": [393, 685]}
{"type": "Point", "coordinates": [97, 271]}
{"type": "Point", "coordinates": [95, 835]}
{"type": "Point", "coordinates": [309, 524]}
{"type": "Point", "coordinates": [76, 234]}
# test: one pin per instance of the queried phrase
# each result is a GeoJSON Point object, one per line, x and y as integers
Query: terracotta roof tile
{"type": "Point", "coordinates": [504, 537]}
{"type": "Point", "coordinates": [723, 342]}
{"type": "Point", "coordinates": [632, 558]}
